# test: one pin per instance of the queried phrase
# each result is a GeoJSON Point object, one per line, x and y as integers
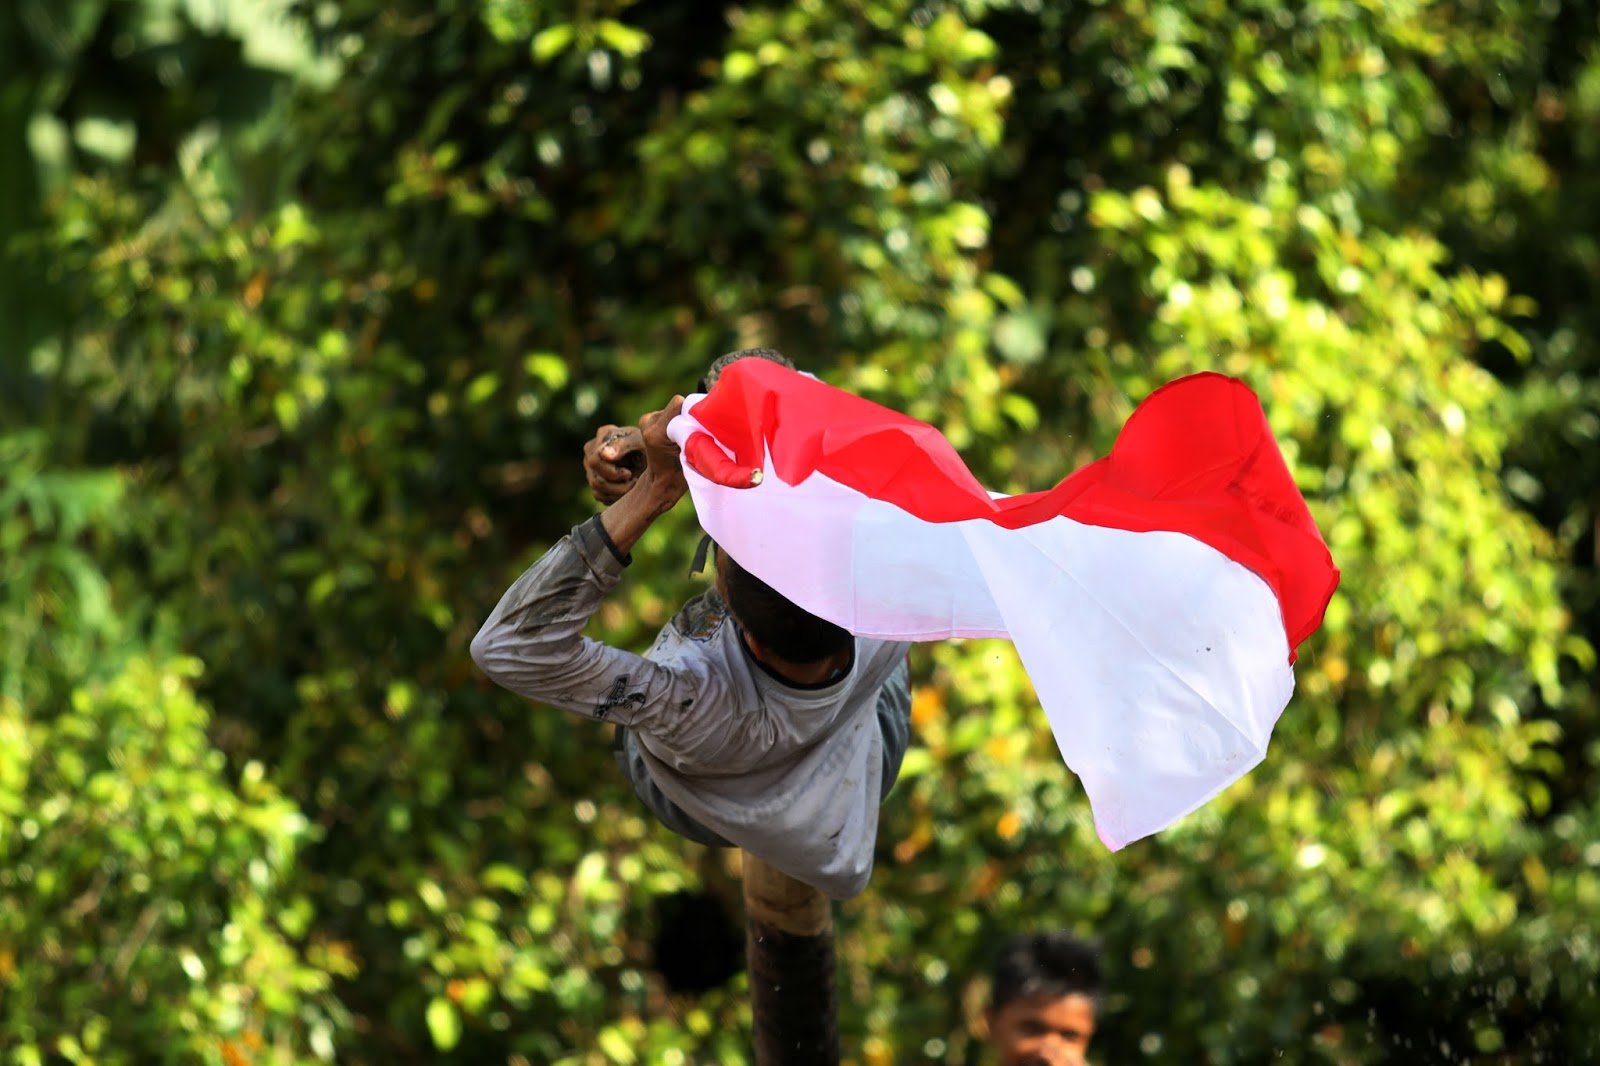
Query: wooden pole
{"type": "Point", "coordinates": [789, 949]}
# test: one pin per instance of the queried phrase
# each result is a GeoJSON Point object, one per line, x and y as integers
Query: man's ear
{"type": "Point", "coordinates": [983, 1024]}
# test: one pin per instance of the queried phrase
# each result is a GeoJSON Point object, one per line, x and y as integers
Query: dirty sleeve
{"type": "Point", "coordinates": [533, 644]}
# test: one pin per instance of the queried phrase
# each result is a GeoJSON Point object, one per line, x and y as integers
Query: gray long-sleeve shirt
{"type": "Point", "coordinates": [791, 774]}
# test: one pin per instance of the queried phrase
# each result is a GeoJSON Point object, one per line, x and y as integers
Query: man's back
{"type": "Point", "coordinates": [792, 773]}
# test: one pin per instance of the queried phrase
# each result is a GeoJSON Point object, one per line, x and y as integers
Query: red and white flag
{"type": "Point", "coordinates": [1156, 597]}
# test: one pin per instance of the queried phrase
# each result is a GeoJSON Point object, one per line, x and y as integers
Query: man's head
{"type": "Point", "coordinates": [1046, 1000]}
{"type": "Point", "coordinates": [775, 625]}
{"type": "Point", "coordinates": [722, 362]}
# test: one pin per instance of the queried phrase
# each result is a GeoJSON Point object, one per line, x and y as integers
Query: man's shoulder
{"type": "Point", "coordinates": [701, 618]}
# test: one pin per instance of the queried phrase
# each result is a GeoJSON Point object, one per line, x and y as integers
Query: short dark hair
{"type": "Point", "coordinates": [1051, 965]}
{"type": "Point", "coordinates": [787, 630]}
{"type": "Point", "coordinates": [722, 362]}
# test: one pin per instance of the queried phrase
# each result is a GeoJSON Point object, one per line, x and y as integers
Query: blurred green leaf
{"type": "Point", "coordinates": [444, 1023]}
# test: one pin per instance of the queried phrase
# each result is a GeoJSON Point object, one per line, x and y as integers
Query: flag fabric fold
{"type": "Point", "coordinates": [1156, 597]}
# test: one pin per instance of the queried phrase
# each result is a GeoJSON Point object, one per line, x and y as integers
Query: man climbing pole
{"type": "Point", "coordinates": [748, 723]}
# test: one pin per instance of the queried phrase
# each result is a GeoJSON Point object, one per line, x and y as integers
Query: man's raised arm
{"type": "Point", "coordinates": [533, 641]}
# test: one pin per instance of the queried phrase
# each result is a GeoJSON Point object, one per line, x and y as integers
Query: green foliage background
{"type": "Point", "coordinates": [306, 308]}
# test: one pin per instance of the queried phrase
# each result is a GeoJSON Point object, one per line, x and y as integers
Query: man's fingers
{"type": "Point", "coordinates": [615, 452]}
{"type": "Point", "coordinates": [656, 421]}
{"type": "Point", "coordinates": [608, 491]}
{"type": "Point", "coordinates": [611, 471]}
{"type": "Point", "coordinates": [619, 442]}
{"type": "Point", "coordinates": [603, 437]}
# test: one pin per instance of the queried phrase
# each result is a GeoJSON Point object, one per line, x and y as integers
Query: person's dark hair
{"type": "Point", "coordinates": [787, 630]}
{"type": "Point", "coordinates": [1052, 965]}
{"type": "Point", "coordinates": [722, 362]}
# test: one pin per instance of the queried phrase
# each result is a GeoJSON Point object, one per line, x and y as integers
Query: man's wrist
{"type": "Point", "coordinates": [626, 520]}
{"type": "Point", "coordinates": [659, 495]}
{"type": "Point", "coordinates": [600, 533]}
